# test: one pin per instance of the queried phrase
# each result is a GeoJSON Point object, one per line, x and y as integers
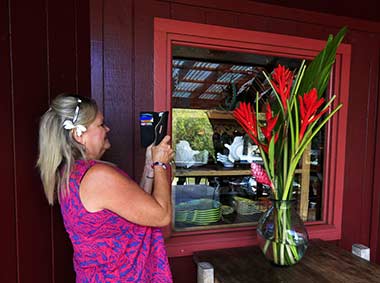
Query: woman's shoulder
{"type": "Point", "coordinates": [81, 167]}
{"type": "Point", "coordinates": [88, 163]}
{"type": "Point", "coordinates": [103, 169]}
{"type": "Point", "coordinates": [102, 179]}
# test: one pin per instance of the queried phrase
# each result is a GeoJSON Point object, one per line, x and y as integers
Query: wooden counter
{"type": "Point", "coordinates": [211, 171]}
{"type": "Point", "coordinates": [323, 262]}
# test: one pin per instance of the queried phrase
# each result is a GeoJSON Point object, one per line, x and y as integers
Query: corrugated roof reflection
{"type": "Point", "coordinates": [215, 88]}
{"type": "Point", "coordinates": [182, 94]}
{"type": "Point", "coordinates": [229, 77]}
{"type": "Point", "coordinates": [175, 72]}
{"type": "Point", "coordinates": [178, 63]}
{"type": "Point", "coordinates": [242, 68]}
{"type": "Point", "coordinates": [187, 86]}
{"type": "Point", "coordinates": [197, 75]}
{"type": "Point", "coordinates": [206, 65]}
{"type": "Point", "coordinates": [208, 96]}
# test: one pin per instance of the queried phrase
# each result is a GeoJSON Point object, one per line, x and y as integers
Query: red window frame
{"type": "Point", "coordinates": [168, 32]}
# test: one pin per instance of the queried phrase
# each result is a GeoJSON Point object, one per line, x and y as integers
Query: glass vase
{"type": "Point", "coordinates": [282, 236]}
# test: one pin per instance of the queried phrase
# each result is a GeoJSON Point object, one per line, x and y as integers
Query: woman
{"type": "Point", "coordinates": [112, 221]}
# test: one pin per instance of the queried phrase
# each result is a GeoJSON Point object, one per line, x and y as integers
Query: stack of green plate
{"type": "Point", "coordinates": [198, 211]}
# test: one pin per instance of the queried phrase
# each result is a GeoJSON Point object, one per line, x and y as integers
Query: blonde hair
{"type": "Point", "coordinates": [58, 150]}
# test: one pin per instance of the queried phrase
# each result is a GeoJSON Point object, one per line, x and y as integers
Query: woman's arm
{"type": "Point", "coordinates": [103, 187]}
{"type": "Point", "coordinates": [147, 178]}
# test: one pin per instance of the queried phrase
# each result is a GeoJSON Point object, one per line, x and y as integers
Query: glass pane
{"type": "Point", "coordinates": [213, 187]}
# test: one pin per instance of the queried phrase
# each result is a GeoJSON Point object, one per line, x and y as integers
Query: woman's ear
{"type": "Point", "coordinates": [79, 139]}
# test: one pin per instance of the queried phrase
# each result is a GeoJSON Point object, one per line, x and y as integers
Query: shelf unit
{"type": "Point", "coordinates": [224, 121]}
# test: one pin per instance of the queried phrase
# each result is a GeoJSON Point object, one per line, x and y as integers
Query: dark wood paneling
{"type": "Point", "coordinates": [368, 11]}
{"type": "Point", "coordinates": [51, 40]}
{"type": "Point", "coordinates": [285, 26]}
{"type": "Point", "coordinates": [62, 48]}
{"type": "Point", "coordinates": [184, 270]}
{"type": "Point", "coordinates": [63, 269]}
{"type": "Point", "coordinates": [8, 234]}
{"type": "Point", "coordinates": [375, 222]}
{"type": "Point", "coordinates": [375, 225]}
{"type": "Point", "coordinates": [221, 18]}
{"type": "Point", "coordinates": [82, 39]}
{"type": "Point", "coordinates": [248, 7]}
{"type": "Point", "coordinates": [187, 13]}
{"type": "Point", "coordinates": [369, 189]}
{"type": "Point", "coordinates": [118, 82]}
{"type": "Point", "coordinates": [144, 13]}
{"type": "Point", "coordinates": [30, 84]}
{"type": "Point", "coordinates": [45, 50]}
{"type": "Point", "coordinates": [360, 141]}
{"type": "Point", "coordinates": [97, 41]}
{"type": "Point", "coordinates": [64, 65]}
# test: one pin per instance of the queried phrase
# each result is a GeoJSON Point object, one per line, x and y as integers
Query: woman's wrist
{"type": "Point", "coordinates": [159, 164]}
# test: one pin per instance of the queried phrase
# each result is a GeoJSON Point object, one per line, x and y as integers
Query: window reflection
{"type": "Point", "coordinates": [213, 187]}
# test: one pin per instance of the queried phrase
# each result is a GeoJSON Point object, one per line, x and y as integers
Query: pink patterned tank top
{"type": "Point", "coordinates": [107, 247]}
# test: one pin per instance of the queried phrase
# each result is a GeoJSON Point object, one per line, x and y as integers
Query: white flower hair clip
{"type": "Point", "coordinates": [69, 125]}
{"type": "Point", "coordinates": [79, 129]}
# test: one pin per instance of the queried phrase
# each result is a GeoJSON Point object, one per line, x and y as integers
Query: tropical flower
{"type": "Point", "coordinates": [268, 129]}
{"type": "Point", "coordinates": [295, 115]}
{"type": "Point", "coordinates": [286, 133]}
{"type": "Point", "coordinates": [245, 113]}
{"type": "Point", "coordinates": [282, 81]}
{"type": "Point", "coordinates": [260, 175]}
{"type": "Point", "coordinates": [309, 104]}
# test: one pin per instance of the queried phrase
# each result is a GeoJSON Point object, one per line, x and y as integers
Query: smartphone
{"type": "Point", "coordinates": [153, 127]}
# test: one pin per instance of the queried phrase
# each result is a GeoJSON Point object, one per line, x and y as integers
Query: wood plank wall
{"type": "Point", "coordinates": [44, 51]}
{"type": "Point", "coordinates": [359, 204]}
{"type": "Point", "coordinates": [366, 10]}
{"type": "Point", "coordinates": [45, 47]}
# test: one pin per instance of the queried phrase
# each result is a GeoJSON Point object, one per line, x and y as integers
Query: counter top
{"type": "Point", "coordinates": [323, 262]}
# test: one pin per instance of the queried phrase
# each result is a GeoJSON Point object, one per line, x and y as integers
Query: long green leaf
{"type": "Point", "coordinates": [318, 72]}
{"type": "Point", "coordinates": [312, 134]}
{"type": "Point", "coordinates": [271, 156]}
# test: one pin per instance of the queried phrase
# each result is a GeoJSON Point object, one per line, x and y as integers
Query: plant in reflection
{"type": "Point", "coordinates": [294, 115]}
{"type": "Point", "coordinates": [193, 126]}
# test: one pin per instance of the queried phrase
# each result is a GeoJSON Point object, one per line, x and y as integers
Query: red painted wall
{"type": "Point", "coordinates": [125, 31]}
{"type": "Point", "coordinates": [45, 49]}
{"type": "Point", "coordinates": [368, 10]}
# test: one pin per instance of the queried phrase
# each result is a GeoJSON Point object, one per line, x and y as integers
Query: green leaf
{"type": "Point", "coordinates": [275, 93]}
{"type": "Point", "coordinates": [318, 72]}
{"type": "Point", "coordinates": [312, 134]}
{"type": "Point", "coordinates": [271, 153]}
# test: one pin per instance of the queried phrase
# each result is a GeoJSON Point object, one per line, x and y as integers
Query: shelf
{"type": "Point", "coordinates": [220, 114]}
{"type": "Point", "coordinates": [207, 172]}
{"type": "Point", "coordinates": [226, 115]}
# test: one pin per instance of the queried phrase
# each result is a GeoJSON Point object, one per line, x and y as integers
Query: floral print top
{"type": "Point", "coordinates": [107, 247]}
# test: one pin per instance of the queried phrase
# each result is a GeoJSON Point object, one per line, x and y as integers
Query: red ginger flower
{"type": "Point", "coordinates": [260, 174]}
{"type": "Point", "coordinates": [246, 117]}
{"type": "Point", "coordinates": [282, 80]}
{"type": "Point", "coordinates": [309, 104]}
{"type": "Point", "coordinates": [271, 123]}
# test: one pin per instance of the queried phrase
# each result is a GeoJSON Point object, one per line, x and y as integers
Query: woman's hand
{"type": "Point", "coordinates": [163, 152]}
